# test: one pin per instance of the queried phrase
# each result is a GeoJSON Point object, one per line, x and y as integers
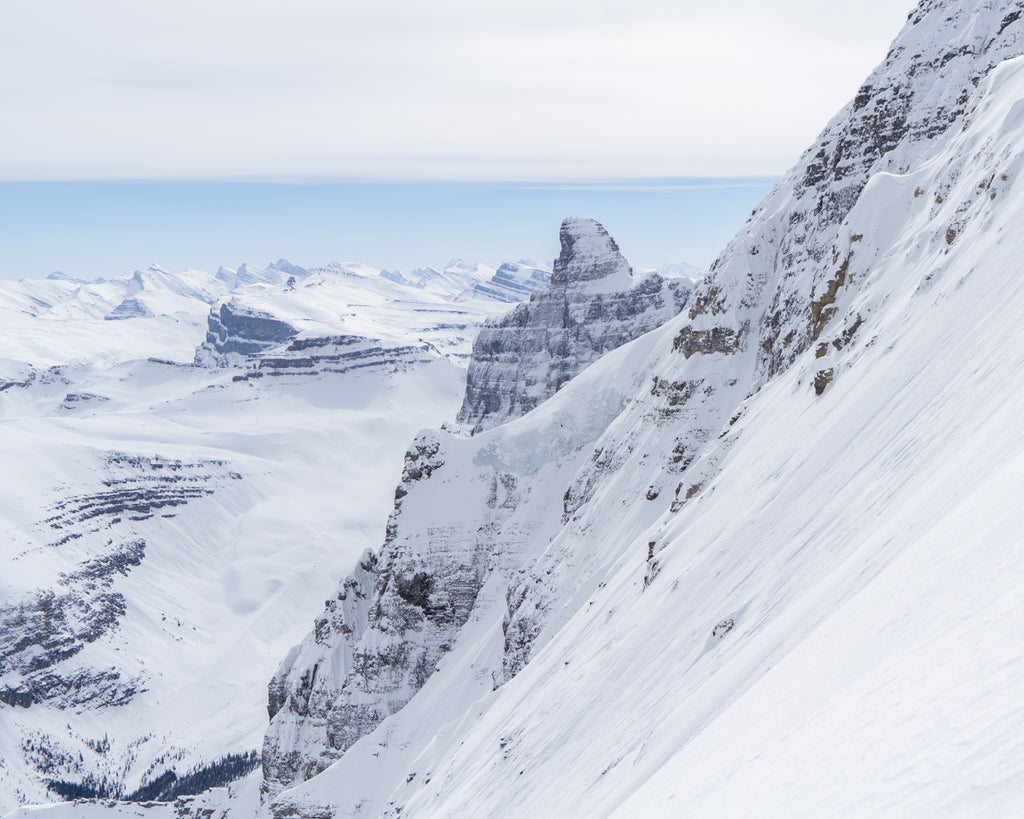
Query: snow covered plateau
{"type": "Point", "coordinates": [764, 559]}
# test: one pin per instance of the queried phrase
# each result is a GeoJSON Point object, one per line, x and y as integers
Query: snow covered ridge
{"type": "Point", "coordinates": [438, 583]}
{"type": "Point", "coordinates": [170, 309]}
{"type": "Point", "coordinates": [594, 305]}
{"type": "Point", "coordinates": [424, 586]}
{"type": "Point", "coordinates": [760, 561]}
{"type": "Point", "coordinates": [258, 329]}
{"type": "Point", "coordinates": [771, 545]}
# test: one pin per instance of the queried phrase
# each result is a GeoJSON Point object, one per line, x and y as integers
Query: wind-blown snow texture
{"type": "Point", "coordinates": [764, 560]}
{"type": "Point", "coordinates": [783, 578]}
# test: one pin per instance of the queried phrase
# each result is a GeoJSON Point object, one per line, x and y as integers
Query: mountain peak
{"type": "Point", "coordinates": [589, 254]}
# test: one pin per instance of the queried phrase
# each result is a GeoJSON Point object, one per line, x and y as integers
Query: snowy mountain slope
{"type": "Point", "coordinates": [440, 562]}
{"type": "Point", "coordinates": [776, 571]}
{"type": "Point", "coordinates": [808, 507]}
{"type": "Point", "coordinates": [168, 524]}
{"type": "Point", "coordinates": [249, 274]}
{"type": "Point", "coordinates": [346, 678]}
{"type": "Point", "coordinates": [843, 639]}
{"type": "Point", "coordinates": [512, 282]}
{"type": "Point", "coordinates": [59, 321]}
{"type": "Point", "coordinates": [56, 321]}
{"type": "Point", "coordinates": [345, 301]}
{"type": "Point", "coordinates": [457, 277]}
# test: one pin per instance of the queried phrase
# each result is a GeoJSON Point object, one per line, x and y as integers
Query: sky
{"type": "Point", "coordinates": [315, 92]}
{"type": "Point", "coordinates": [503, 89]}
{"type": "Point", "coordinates": [90, 229]}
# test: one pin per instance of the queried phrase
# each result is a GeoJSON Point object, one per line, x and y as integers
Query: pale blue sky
{"type": "Point", "coordinates": [87, 229]}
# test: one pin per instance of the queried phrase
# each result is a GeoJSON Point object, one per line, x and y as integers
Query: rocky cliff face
{"type": "Point", "coordinates": [444, 569]}
{"type": "Point", "coordinates": [336, 355]}
{"type": "Point", "coordinates": [393, 620]}
{"type": "Point", "coordinates": [512, 282]}
{"type": "Point", "coordinates": [237, 332]}
{"type": "Point", "coordinates": [771, 453]}
{"type": "Point", "coordinates": [593, 306]}
{"type": "Point", "coordinates": [787, 283]}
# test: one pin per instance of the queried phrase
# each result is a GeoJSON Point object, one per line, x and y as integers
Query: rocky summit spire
{"type": "Point", "coordinates": [589, 254]}
{"type": "Point", "coordinates": [593, 306]}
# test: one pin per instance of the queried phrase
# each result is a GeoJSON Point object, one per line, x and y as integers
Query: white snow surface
{"type": "Point", "coordinates": [57, 320]}
{"type": "Point", "coordinates": [814, 609]}
{"type": "Point", "coordinates": [294, 478]}
{"type": "Point", "coordinates": [772, 562]}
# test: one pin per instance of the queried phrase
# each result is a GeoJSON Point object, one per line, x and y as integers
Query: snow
{"type": "Point", "coordinates": [764, 560]}
{"type": "Point", "coordinates": [226, 584]}
{"type": "Point", "coordinates": [864, 542]}
{"type": "Point", "coordinates": [822, 620]}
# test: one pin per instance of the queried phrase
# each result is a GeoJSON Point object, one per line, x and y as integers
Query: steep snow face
{"type": "Point", "coordinates": [783, 579]}
{"type": "Point", "coordinates": [895, 123]}
{"type": "Point", "coordinates": [593, 306]}
{"type": "Point", "coordinates": [442, 575]}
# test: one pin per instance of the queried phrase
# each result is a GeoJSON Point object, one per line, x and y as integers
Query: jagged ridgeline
{"type": "Point", "coordinates": [761, 560]}
{"type": "Point", "coordinates": [674, 585]}
{"type": "Point", "coordinates": [593, 306]}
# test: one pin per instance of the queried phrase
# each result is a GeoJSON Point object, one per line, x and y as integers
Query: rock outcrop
{"type": "Point", "coordinates": [594, 305]}
{"type": "Point", "coordinates": [318, 355]}
{"type": "Point", "coordinates": [237, 332]}
{"type": "Point", "coordinates": [39, 634]}
{"type": "Point", "coordinates": [393, 620]}
{"type": "Point", "coordinates": [129, 308]}
{"type": "Point", "coordinates": [512, 282]}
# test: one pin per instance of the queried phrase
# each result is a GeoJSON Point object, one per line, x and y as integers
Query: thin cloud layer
{"type": "Point", "coordinates": [451, 89]}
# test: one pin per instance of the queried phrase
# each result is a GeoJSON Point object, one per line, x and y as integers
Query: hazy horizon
{"type": "Point", "coordinates": [87, 229]}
